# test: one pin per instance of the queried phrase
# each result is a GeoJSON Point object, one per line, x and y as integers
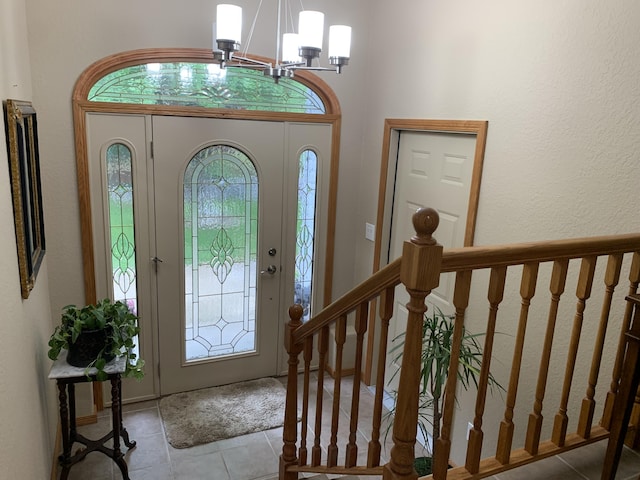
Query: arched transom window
{"type": "Point", "coordinates": [204, 85]}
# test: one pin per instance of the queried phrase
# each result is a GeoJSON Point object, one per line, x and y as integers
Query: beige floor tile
{"type": "Point", "coordinates": [548, 469]}
{"type": "Point", "coordinates": [588, 461]}
{"type": "Point", "coordinates": [254, 460]}
{"type": "Point", "coordinates": [255, 456]}
{"type": "Point", "coordinates": [210, 466]}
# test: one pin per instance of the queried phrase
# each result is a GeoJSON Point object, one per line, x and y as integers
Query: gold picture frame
{"type": "Point", "coordinates": [24, 165]}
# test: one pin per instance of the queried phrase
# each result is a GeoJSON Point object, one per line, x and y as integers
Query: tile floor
{"type": "Point", "coordinates": [255, 456]}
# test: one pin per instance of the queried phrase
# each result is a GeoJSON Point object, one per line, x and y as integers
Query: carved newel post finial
{"type": "Point", "coordinates": [295, 313]}
{"type": "Point", "coordinates": [425, 222]}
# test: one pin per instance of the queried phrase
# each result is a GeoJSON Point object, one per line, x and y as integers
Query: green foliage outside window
{"type": "Point", "coordinates": [204, 85]}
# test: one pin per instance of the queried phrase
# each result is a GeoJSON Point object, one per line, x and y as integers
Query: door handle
{"type": "Point", "coordinates": [271, 270]}
{"type": "Point", "coordinates": [156, 261]}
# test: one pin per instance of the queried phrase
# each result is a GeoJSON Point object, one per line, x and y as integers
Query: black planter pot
{"type": "Point", "coordinates": [422, 466]}
{"type": "Point", "coordinates": [87, 347]}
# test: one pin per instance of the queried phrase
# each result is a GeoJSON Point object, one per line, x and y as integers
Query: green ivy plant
{"type": "Point", "coordinates": [437, 342]}
{"type": "Point", "coordinates": [120, 325]}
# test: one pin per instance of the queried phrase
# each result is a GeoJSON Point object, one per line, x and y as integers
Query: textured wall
{"type": "Point", "coordinates": [67, 37]}
{"type": "Point", "coordinates": [557, 81]}
{"type": "Point", "coordinates": [559, 84]}
{"type": "Point", "coordinates": [28, 416]}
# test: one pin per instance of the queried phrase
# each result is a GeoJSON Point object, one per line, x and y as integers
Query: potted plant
{"type": "Point", "coordinates": [95, 334]}
{"type": "Point", "coordinates": [437, 340]}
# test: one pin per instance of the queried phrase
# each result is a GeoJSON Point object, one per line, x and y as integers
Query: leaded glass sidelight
{"type": "Point", "coordinates": [204, 85]}
{"type": "Point", "coordinates": [305, 229]}
{"type": "Point", "coordinates": [220, 244]}
{"type": "Point", "coordinates": [121, 223]}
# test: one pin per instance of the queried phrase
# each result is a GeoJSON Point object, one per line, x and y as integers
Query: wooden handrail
{"type": "Point", "coordinates": [474, 258]}
{"type": "Point", "coordinates": [471, 258]}
{"type": "Point", "coordinates": [419, 270]}
{"type": "Point", "coordinates": [388, 276]}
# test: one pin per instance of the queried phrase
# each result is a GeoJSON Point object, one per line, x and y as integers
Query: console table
{"type": "Point", "coordinates": [66, 377]}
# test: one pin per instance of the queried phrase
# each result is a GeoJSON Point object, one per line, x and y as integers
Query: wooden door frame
{"type": "Point", "coordinates": [392, 129]}
{"type": "Point", "coordinates": [82, 106]}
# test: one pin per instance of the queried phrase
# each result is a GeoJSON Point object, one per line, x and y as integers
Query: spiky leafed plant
{"type": "Point", "coordinates": [437, 343]}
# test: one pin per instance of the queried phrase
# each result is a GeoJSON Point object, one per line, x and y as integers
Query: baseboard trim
{"type": "Point", "coordinates": [346, 372]}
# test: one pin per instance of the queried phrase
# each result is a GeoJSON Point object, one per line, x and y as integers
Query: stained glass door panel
{"type": "Point", "coordinates": [220, 204]}
{"type": "Point", "coordinates": [219, 209]}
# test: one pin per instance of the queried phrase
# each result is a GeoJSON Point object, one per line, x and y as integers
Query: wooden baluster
{"type": "Point", "coordinates": [611, 279]}
{"type": "Point", "coordinates": [476, 435]}
{"type": "Point", "coordinates": [304, 428]}
{"type": "Point", "coordinates": [386, 312]}
{"type": "Point", "coordinates": [341, 336]}
{"type": "Point", "coordinates": [362, 314]}
{"type": "Point", "coordinates": [629, 382]}
{"type": "Point", "coordinates": [420, 273]}
{"type": "Point", "coordinates": [556, 287]}
{"type": "Point", "coordinates": [632, 439]}
{"type": "Point", "coordinates": [323, 346]}
{"type": "Point", "coordinates": [289, 435]}
{"type": "Point", "coordinates": [527, 291]}
{"type": "Point", "coordinates": [634, 281]}
{"type": "Point", "coordinates": [583, 292]}
{"type": "Point", "coordinates": [442, 445]}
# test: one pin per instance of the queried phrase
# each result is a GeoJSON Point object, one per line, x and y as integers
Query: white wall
{"type": "Point", "coordinates": [559, 83]}
{"type": "Point", "coordinates": [28, 415]}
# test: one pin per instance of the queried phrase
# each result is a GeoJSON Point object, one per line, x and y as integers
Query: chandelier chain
{"type": "Point", "coordinates": [253, 26]}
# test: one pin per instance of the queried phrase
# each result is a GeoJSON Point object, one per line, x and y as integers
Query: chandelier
{"type": "Point", "coordinates": [296, 51]}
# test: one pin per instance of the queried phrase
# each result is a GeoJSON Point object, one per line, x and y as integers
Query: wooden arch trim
{"type": "Point", "coordinates": [111, 63]}
{"type": "Point", "coordinates": [117, 61]}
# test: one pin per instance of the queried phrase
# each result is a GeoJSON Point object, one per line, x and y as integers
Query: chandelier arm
{"type": "Point", "coordinates": [239, 61]}
{"type": "Point", "coordinates": [312, 69]}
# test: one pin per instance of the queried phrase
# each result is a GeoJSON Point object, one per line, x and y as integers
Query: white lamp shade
{"type": "Point", "coordinates": [339, 41]}
{"type": "Point", "coordinates": [290, 46]}
{"type": "Point", "coordinates": [310, 28]}
{"type": "Point", "coordinates": [229, 22]}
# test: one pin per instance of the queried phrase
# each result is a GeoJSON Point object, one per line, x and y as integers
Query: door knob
{"type": "Point", "coordinates": [271, 270]}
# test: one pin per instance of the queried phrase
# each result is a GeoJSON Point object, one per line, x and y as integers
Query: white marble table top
{"type": "Point", "coordinates": [61, 369]}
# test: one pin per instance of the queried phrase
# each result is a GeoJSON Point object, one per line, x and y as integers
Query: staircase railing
{"type": "Point", "coordinates": [319, 442]}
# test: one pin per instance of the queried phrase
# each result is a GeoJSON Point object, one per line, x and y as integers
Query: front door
{"type": "Point", "coordinates": [219, 208]}
{"type": "Point", "coordinates": [193, 241]}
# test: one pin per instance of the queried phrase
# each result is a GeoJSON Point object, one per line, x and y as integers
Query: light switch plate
{"type": "Point", "coordinates": [370, 232]}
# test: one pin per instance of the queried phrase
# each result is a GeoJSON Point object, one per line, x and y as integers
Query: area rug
{"type": "Point", "coordinates": [211, 414]}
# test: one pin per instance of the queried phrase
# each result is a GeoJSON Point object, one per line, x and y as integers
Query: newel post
{"type": "Point", "coordinates": [289, 433]}
{"type": "Point", "coordinates": [420, 273]}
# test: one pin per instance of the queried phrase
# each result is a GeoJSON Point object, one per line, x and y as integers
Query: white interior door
{"type": "Point", "coordinates": [219, 209]}
{"type": "Point", "coordinates": [434, 170]}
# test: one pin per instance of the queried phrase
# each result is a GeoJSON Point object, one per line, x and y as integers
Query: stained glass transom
{"type": "Point", "coordinates": [204, 85]}
{"type": "Point", "coordinates": [220, 244]}
{"type": "Point", "coordinates": [305, 229]}
{"type": "Point", "coordinates": [121, 223]}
